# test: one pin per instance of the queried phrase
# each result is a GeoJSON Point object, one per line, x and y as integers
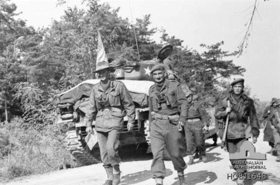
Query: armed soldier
{"type": "Point", "coordinates": [268, 131]}
{"type": "Point", "coordinates": [109, 101]}
{"type": "Point", "coordinates": [167, 115]}
{"type": "Point", "coordinates": [241, 114]}
{"type": "Point", "coordinates": [196, 124]}
{"type": "Point", "coordinates": [275, 120]}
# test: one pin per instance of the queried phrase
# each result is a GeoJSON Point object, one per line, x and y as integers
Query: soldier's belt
{"type": "Point", "coordinates": [165, 117]}
{"type": "Point", "coordinates": [115, 109]}
{"type": "Point", "coordinates": [193, 119]}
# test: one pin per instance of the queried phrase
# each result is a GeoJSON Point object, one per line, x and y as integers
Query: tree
{"type": "Point", "coordinates": [12, 71]}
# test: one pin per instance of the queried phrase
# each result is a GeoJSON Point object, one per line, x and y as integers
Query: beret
{"type": "Point", "coordinates": [158, 67]}
{"type": "Point", "coordinates": [238, 80]}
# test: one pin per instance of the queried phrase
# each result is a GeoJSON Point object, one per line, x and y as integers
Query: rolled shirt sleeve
{"type": "Point", "coordinates": [91, 109]}
{"type": "Point", "coordinates": [127, 103]}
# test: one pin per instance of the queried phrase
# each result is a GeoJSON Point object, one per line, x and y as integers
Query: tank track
{"type": "Point", "coordinates": [79, 150]}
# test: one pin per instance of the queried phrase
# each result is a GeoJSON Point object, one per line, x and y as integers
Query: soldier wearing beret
{"type": "Point", "coordinates": [196, 124]}
{"type": "Point", "coordinates": [108, 103]}
{"type": "Point", "coordinates": [242, 120]}
{"type": "Point", "coordinates": [168, 105]}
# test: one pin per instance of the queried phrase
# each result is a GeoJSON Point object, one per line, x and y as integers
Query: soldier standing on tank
{"type": "Point", "coordinates": [196, 124]}
{"type": "Point", "coordinates": [268, 131]}
{"type": "Point", "coordinates": [275, 120]}
{"type": "Point", "coordinates": [108, 103]}
{"type": "Point", "coordinates": [168, 105]}
{"type": "Point", "coordinates": [242, 121]}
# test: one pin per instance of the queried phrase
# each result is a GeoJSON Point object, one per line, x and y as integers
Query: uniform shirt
{"type": "Point", "coordinates": [195, 110]}
{"type": "Point", "coordinates": [243, 114]}
{"type": "Point", "coordinates": [116, 98]}
{"type": "Point", "coordinates": [168, 100]}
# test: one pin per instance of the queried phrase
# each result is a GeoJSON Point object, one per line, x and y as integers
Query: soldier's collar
{"type": "Point", "coordinates": [165, 84]}
{"type": "Point", "coordinates": [111, 86]}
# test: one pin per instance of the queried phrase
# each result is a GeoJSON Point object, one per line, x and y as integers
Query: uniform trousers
{"type": "Point", "coordinates": [233, 146]}
{"type": "Point", "coordinates": [166, 135]}
{"type": "Point", "coordinates": [195, 137]}
{"type": "Point", "coordinates": [109, 145]}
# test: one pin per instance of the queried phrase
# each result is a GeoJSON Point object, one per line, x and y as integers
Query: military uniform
{"type": "Point", "coordinates": [242, 120]}
{"type": "Point", "coordinates": [108, 109]}
{"type": "Point", "coordinates": [196, 119]}
{"type": "Point", "coordinates": [275, 120]}
{"type": "Point", "coordinates": [268, 131]}
{"type": "Point", "coordinates": [167, 108]}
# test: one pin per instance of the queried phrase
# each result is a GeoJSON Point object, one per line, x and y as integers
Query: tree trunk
{"type": "Point", "coordinates": [6, 113]}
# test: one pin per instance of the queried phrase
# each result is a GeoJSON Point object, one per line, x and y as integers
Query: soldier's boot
{"type": "Point", "coordinates": [116, 175]}
{"type": "Point", "coordinates": [159, 181]}
{"type": "Point", "coordinates": [274, 152]}
{"type": "Point", "coordinates": [109, 172]}
{"type": "Point", "coordinates": [181, 178]}
{"type": "Point", "coordinates": [190, 162]}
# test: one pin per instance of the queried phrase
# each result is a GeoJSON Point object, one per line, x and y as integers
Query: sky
{"type": "Point", "coordinates": [197, 22]}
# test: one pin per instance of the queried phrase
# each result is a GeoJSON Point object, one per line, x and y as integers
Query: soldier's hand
{"type": "Point", "coordinates": [180, 125]}
{"type": "Point", "coordinates": [205, 129]}
{"type": "Point", "coordinates": [228, 109]}
{"type": "Point", "coordinates": [89, 129]}
{"type": "Point", "coordinates": [130, 126]}
{"type": "Point", "coordinates": [254, 140]}
{"type": "Point", "coordinates": [273, 127]}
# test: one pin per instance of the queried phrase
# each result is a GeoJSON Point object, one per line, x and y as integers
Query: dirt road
{"type": "Point", "coordinates": [137, 172]}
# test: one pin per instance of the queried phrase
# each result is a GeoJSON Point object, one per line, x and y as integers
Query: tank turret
{"type": "Point", "coordinates": [129, 70]}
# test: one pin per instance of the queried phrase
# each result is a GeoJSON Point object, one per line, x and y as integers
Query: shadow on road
{"type": "Point", "coordinates": [211, 157]}
{"type": "Point", "coordinates": [138, 177]}
{"type": "Point", "coordinates": [134, 153]}
{"type": "Point", "coordinates": [193, 178]}
{"type": "Point", "coordinates": [210, 147]}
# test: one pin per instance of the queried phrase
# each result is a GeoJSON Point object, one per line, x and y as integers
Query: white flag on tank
{"type": "Point", "coordinates": [101, 55]}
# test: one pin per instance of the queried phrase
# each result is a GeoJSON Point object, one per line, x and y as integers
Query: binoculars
{"type": "Point", "coordinates": [161, 98]}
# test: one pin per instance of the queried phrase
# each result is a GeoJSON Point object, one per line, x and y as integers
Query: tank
{"type": "Point", "coordinates": [72, 105]}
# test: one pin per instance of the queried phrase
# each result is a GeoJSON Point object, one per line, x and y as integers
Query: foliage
{"type": "Point", "coordinates": [36, 65]}
{"type": "Point", "coordinates": [32, 152]}
{"type": "Point", "coordinates": [11, 69]}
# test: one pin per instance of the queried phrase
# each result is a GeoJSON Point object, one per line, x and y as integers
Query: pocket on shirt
{"type": "Point", "coordinates": [114, 98]}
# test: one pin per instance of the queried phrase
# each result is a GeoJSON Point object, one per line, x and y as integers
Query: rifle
{"type": "Point", "coordinates": [226, 126]}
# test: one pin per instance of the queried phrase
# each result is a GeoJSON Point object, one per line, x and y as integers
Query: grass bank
{"type": "Point", "coordinates": [28, 151]}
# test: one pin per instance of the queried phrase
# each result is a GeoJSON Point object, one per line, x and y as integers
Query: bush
{"type": "Point", "coordinates": [32, 152]}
